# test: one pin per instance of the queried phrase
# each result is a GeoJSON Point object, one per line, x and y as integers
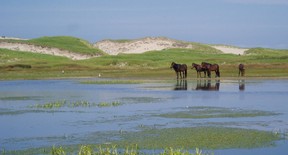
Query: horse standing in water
{"type": "Point", "coordinates": [209, 67]}
{"type": "Point", "coordinates": [179, 68]}
{"type": "Point", "coordinates": [241, 70]}
{"type": "Point", "coordinates": [199, 69]}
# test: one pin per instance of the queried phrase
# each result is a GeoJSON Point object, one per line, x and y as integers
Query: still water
{"type": "Point", "coordinates": [23, 125]}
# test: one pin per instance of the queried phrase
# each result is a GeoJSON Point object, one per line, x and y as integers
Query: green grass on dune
{"type": "Point", "coordinates": [71, 44]}
{"type": "Point", "coordinates": [259, 62]}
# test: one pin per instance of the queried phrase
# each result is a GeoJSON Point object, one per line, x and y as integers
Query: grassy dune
{"type": "Point", "coordinates": [259, 62]}
{"type": "Point", "coordinates": [64, 43]}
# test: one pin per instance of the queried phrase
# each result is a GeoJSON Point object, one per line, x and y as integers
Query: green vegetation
{"type": "Point", "coordinates": [216, 112]}
{"type": "Point", "coordinates": [259, 62]}
{"type": "Point", "coordinates": [104, 150]}
{"type": "Point", "coordinates": [71, 44]}
{"type": "Point", "coordinates": [64, 103]}
{"type": "Point", "coordinates": [201, 137]}
{"type": "Point", "coordinates": [169, 140]}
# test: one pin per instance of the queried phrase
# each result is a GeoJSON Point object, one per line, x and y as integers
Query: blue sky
{"type": "Point", "coordinates": [244, 23]}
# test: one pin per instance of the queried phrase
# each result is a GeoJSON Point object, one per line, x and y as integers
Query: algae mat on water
{"type": "Point", "coordinates": [200, 137]}
{"type": "Point", "coordinates": [216, 112]}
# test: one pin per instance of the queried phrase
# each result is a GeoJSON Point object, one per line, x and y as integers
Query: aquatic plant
{"type": "Point", "coordinates": [50, 105]}
{"type": "Point", "coordinates": [64, 103]}
{"type": "Point", "coordinates": [86, 150]}
{"type": "Point", "coordinates": [107, 104]}
{"type": "Point", "coordinates": [203, 137]}
{"type": "Point", "coordinates": [57, 151]}
{"type": "Point", "coordinates": [172, 151]}
{"type": "Point", "coordinates": [216, 112]}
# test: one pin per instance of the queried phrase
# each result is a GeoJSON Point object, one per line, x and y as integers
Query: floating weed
{"type": "Point", "coordinates": [51, 105]}
{"type": "Point", "coordinates": [203, 137]}
{"type": "Point", "coordinates": [216, 112]}
{"type": "Point", "coordinates": [104, 104]}
{"type": "Point", "coordinates": [84, 104]}
{"type": "Point", "coordinates": [172, 151]}
{"type": "Point", "coordinates": [108, 104]}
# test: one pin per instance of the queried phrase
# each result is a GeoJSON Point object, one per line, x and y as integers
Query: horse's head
{"type": "Point", "coordinates": [172, 64]}
{"type": "Point", "coordinates": [205, 65]}
{"type": "Point", "coordinates": [193, 65]}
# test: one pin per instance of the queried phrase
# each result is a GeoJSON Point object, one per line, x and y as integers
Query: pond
{"type": "Point", "coordinates": [43, 113]}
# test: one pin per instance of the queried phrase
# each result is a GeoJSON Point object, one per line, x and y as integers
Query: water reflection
{"type": "Point", "coordinates": [207, 85]}
{"type": "Point", "coordinates": [181, 84]}
{"type": "Point", "coordinates": [241, 85]}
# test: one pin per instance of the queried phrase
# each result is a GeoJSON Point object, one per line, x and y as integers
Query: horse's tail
{"type": "Point", "coordinates": [185, 70]}
{"type": "Point", "coordinates": [218, 71]}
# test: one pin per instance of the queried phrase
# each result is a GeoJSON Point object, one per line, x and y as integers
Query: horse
{"type": "Point", "coordinates": [199, 69]}
{"type": "Point", "coordinates": [241, 70]}
{"type": "Point", "coordinates": [209, 67]}
{"type": "Point", "coordinates": [179, 68]}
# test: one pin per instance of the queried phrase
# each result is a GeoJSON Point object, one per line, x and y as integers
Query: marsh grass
{"type": "Point", "coordinates": [200, 137]}
{"type": "Point", "coordinates": [57, 151]}
{"type": "Point", "coordinates": [83, 104]}
{"type": "Point", "coordinates": [108, 150]}
{"type": "Point", "coordinates": [169, 141]}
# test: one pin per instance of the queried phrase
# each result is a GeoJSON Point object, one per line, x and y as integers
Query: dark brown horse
{"type": "Point", "coordinates": [241, 70]}
{"type": "Point", "coordinates": [209, 67]}
{"type": "Point", "coordinates": [179, 68]}
{"type": "Point", "coordinates": [199, 69]}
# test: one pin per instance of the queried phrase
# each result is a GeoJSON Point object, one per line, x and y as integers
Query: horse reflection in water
{"type": "Point", "coordinates": [241, 85]}
{"type": "Point", "coordinates": [206, 85]}
{"type": "Point", "coordinates": [181, 85]}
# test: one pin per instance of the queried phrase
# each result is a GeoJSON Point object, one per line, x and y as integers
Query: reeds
{"type": "Point", "coordinates": [113, 150]}
{"type": "Point", "coordinates": [64, 103]}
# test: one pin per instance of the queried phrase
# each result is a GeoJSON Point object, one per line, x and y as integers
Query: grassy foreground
{"type": "Point", "coordinates": [168, 141]}
{"type": "Point", "coordinates": [259, 62]}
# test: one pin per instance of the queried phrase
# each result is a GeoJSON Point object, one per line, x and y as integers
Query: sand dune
{"type": "Point", "coordinates": [43, 50]}
{"type": "Point", "coordinates": [116, 47]}
{"type": "Point", "coordinates": [140, 45]}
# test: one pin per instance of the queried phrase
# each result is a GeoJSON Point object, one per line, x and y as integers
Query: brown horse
{"type": "Point", "coordinates": [209, 67]}
{"type": "Point", "coordinates": [241, 70]}
{"type": "Point", "coordinates": [199, 69]}
{"type": "Point", "coordinates": [179, 68]}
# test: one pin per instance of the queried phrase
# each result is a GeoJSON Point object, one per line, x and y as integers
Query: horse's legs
{"type": "Point", "coordinates": [209, 73]}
